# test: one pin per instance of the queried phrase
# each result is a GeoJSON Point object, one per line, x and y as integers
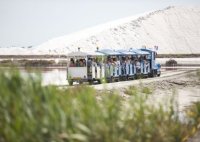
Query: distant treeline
{"type": "Point", "coordinates": [32, 63]}
{"type": "Point", "coordinates": [31, 56]}
{"type": "Point", "coordinates": [178, 55]}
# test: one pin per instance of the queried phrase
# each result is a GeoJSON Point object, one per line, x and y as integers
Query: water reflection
{"type": "Point", "coordinates": [49, 76]}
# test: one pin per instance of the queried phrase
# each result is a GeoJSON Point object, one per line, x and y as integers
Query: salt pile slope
{"type": "Point", "coordinates": [176, 30]}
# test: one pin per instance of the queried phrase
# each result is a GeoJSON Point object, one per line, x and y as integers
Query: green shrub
{"type": "Point", "coordinates": [30, 112]}
{"type": "Point", "coordinates": [6, 63]}
{"type": "Point", "coordinates": [171, 62]}
{"type": "Point", "coordinates": [38, 63]}
{"type": "Point", "coordinates": [194, 115]}
{"type": "Point", "coordinates": [132, 90]}
{"type": "Point", "coordinates": [146, 90]}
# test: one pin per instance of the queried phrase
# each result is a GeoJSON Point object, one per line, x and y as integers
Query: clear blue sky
{"type": "Point", "coordinates": [32, 22]}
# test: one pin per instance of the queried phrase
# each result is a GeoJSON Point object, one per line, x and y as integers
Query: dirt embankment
{"type": "Point", "coordinates": [185, 88]}
{"type": "Point", "coordinates": [187, 79]}
{"type": "Point", "coordinates": [167, 79]}
{"type": "Point", "coordinates": [184, 85]}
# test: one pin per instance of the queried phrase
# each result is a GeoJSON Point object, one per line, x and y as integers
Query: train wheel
{"type": "Point", "coordinates": [90, 82]}
{"type": "Point", "coordinates": [132, 78]}
{"type": "Point", "coordinates": [70, 82]}
{"type": "Point", "coordinates": [117, 80]}
{"type": "Point", "coordinates": [99, 81]}
{"type": "Point", "coordinates": [120, 78]}
{"type": "Point", "coordinates": [110, 80]}
{"type": "Point", "coordinates": [155, 73]}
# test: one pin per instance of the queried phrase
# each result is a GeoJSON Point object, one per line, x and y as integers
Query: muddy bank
{"type": "Point", "coordinates": [185, 87]}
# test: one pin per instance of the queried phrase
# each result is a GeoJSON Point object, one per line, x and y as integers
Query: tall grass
{"type": "Point", "coordinates": [30, 112]}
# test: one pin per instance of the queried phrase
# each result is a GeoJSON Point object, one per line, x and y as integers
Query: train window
{"type": "Point", "coordinates": [149, 56]}
{"type": "Point", "coordinates": [72, 63]}
{"type": "Point", "coordinates": [77, 62]}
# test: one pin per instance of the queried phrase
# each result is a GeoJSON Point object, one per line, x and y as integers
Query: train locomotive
{"type": "Point", "coordinates": [111, 65]}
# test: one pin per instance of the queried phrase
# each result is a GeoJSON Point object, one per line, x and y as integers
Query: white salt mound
{"type": "Point", "coordinates": [175, 30]}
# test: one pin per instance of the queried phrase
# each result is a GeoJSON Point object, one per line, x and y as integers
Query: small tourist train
{"type": "Point", "coordinates": [111, 65]}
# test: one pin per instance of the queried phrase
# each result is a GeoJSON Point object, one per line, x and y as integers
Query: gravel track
{"type": "Point", "coordinates": [167, 75]}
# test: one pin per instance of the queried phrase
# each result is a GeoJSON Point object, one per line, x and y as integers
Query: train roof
{"type": "Point", "coordinates": [139, 52]}
{"type": "Point", "coordinates": [126, 52]}
{"type": "Point", "coordinates": [109, 52]}
{"type": "Point", "coordinates": [85, 54]}
{"type": "Point", "coordinates": [147, 49]}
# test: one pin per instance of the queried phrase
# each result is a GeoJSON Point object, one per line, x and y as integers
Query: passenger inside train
{"type": "Point", "coordinates": [77, 63]}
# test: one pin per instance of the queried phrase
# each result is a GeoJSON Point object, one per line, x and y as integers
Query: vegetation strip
{"type": "Point", "coordinates": [32, 112]}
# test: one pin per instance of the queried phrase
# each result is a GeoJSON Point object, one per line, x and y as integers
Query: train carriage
{"type": "Point", "coordinates": [77, 68]}
{"type": "Point", "coordinates": [128, 67]}
{"type": "Point", "coordinates": [96, 68]}
{"type": "Point", "coordinates": [154, 67]}
{"type": "Point", "coordinates": [111, 64]}
{"type": "Point", "coordinates": [142, 63]}
{"type": "Point", "coordinates": [84, 67]}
